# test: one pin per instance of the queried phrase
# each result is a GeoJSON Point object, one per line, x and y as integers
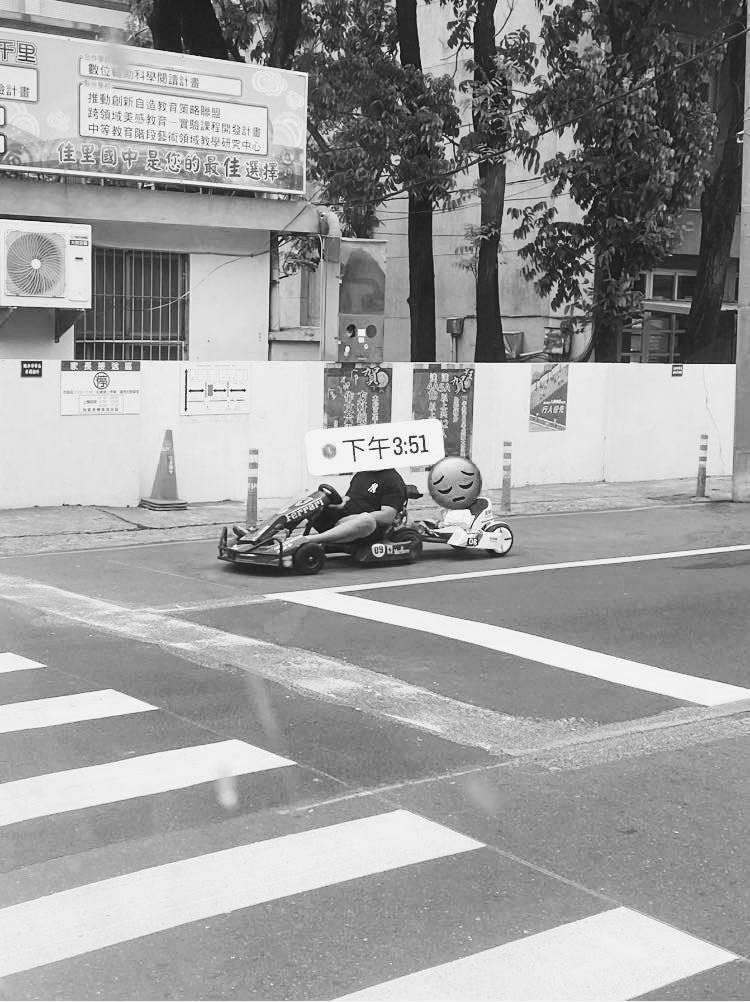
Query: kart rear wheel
{"type": "Point", "coordinates": [409, 536]}
{"type": "Point", "coordinates": [308, 558]}
{"type": "Point", "coordinates": [507, 535]}
{"type": "Point", "coordinates": [333, 495]}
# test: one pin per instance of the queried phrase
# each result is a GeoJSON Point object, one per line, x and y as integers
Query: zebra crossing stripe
{"type": "Point", "coordinates": [15, 662]}
{"type": "Point", "coordinates": [68, 709]}
{"type": "Point", "coordinates": [617, 954]}
{"type": "Point", "coordinates": [75, 789]}
{"type": "Point", "coordinates": [81, 919]}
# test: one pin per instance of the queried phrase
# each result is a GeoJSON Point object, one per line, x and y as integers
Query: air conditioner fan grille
{"type": "Point", "coordinates": [35, 264]}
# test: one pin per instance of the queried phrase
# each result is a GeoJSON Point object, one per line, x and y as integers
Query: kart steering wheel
{"type": "Point", "coordinates": [333, 495]}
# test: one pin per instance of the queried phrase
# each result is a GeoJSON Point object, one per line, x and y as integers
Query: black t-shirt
{"type": "Point", "coordinates": [372, 489]}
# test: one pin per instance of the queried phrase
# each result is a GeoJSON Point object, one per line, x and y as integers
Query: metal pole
{"type": "Point", "coordinates": [700, 490]}
{"type": "Point", "coordinates": [323, 311]}
{"type": "Point", "coordinates": [741, 454]}
{"type": "Point", "coordinates": [505, 502]}
{"type": "Point", "coordinates": [251, 515]}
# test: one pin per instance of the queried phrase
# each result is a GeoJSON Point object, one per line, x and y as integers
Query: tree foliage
{"type": "Point", "coordinates": [635, 104]}
{"type": "Point", "coordinates": [378, 127]}
{"type": "Point", "coordinates": [375, 127]}
{"type": "Point", "coordinates": [499, 61]}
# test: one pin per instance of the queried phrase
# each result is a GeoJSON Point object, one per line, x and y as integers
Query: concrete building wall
{"type": "Point", "coordinates": [229, 305]}
{"type": "Point", "coordinates": [30, 334]}
{"type": "Point", "coordinates": [227, 240]}
{"type": "Point", "coordinates": [623, 423]}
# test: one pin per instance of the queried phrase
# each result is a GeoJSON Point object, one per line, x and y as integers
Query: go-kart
{"type": "Point", "coordinates": [474, 528]}
{"type": "Point", "coordinates": [399, 543]}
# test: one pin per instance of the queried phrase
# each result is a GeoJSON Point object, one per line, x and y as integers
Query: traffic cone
{"type": "Point", "coordinates": [164, 492]}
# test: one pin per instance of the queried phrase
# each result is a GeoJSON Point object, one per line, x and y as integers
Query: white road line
{"type": "Point", "coordinates": [14, 662]}
{"type": "Point", "coordinates": [297, 669]}
{"type": "Point", "coordinates": [531, 569]}
{"type": "Point", "coordinates": [81, 919]}
{"type": "Point", "coordinates": [615, 955]}
{"type": "Point", "coordinates": [68, 709]}
{"type": "Point", "coordinates": [690, 688]}
{"type": "Point", "coordinates": [74, 789]}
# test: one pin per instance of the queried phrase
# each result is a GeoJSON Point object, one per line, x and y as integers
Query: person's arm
{"type": "Point", "coordinates": [393, 499]}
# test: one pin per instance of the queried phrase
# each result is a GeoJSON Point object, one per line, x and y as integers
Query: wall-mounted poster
{"type": "Point", "coordinates": [100, 388]}
{"type": "Point", "coordinates": [548, 406]}
{"type": "Point", "coordinates": [354, 396]}
{"type": "Point", "coordinates": [215, 389]}
{"type": "Point", "coordinates": [446, 392]}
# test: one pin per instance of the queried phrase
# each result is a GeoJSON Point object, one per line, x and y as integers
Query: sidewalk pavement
{"type": "Point", "coordinates": [79, 527]}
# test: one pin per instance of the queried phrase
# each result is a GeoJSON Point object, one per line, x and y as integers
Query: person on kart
{"type": "Point", "coordinates": [373, 499]}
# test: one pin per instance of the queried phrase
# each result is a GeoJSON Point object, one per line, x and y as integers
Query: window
{"type": "Point", "coordinates": [663, 287]}
{"type": "Point", "coordinates": [139, 307]}
{"type": "Point", "coordinates": [655, 338]}
{"type": "Point", "coordinates": [685, 287]}
{"type": "Point", "coordinates": [671, 286]}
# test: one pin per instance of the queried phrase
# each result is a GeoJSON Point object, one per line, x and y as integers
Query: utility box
{"type": "Point", "coordinates": [362, 301]}
{"type": "Point", "coordinates": [360, 337]}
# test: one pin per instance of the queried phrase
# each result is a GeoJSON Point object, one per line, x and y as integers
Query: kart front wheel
{"type": "Point", "coordinates": [308, 558]}
{"type": "Point", "coordinates": [506, 535]}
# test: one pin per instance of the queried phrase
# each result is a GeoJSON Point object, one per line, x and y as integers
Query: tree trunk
{"type": "Point", "coordinates": [286, 32]}
{"type": "Point", "coordinates": [490, 346]}
{"type": "Point", "coordinates": [421, 262]}
{"type": "Point", "coordinates": [607, 326]}
{"type": "Point", "coordinates": [421, 280]}
{"type": "Point", "coordinates": [191, 25]}
{"type": "Point", "coordinates": [165, 24]}
{"type": "Point", "coordinates": [283, 44]}
{"type": "Point", "coordinates": [720, 205]}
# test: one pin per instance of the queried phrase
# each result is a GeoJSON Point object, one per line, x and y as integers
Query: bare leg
{"type": "Point", "coordinates": [349, 528]}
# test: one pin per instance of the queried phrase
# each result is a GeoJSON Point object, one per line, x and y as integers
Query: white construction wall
{"type": "Point", "coordinates": [623, 422]}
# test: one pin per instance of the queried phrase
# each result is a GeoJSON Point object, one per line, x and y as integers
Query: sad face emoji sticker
{"type": "Point", "coordinates": [454, 482]}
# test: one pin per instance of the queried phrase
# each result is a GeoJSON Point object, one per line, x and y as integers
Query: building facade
{"type": "Point", "coordinates": [181, 169]}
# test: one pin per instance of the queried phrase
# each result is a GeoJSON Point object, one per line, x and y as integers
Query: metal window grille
{"type": "Point", "coordinates": [139, 307]}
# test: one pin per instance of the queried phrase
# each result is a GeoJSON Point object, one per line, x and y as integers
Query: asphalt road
{"type": "Point", "coordinates": [464, 778]}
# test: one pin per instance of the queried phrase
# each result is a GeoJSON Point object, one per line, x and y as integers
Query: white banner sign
{"type": "Point", "coordinates": [100, 388]}
{"type": "Point", "coordinates": [215, 389]}
{"type": "Point", "coordinates": [335, 451]}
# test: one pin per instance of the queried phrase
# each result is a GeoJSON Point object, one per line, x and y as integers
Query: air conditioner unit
{"type": "Point", "coordinates": [45, 264]}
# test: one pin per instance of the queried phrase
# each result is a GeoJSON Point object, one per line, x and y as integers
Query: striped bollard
{"type": "Point", "coordinates": [506, 476]}
{"type": "Point", "coordinates": [700, 490]}
{"type": "Point", "coordinates": [251, 514]}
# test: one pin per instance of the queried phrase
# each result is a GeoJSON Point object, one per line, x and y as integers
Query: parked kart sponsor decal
{"type": "Point", "coordinates": [380, 550]}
